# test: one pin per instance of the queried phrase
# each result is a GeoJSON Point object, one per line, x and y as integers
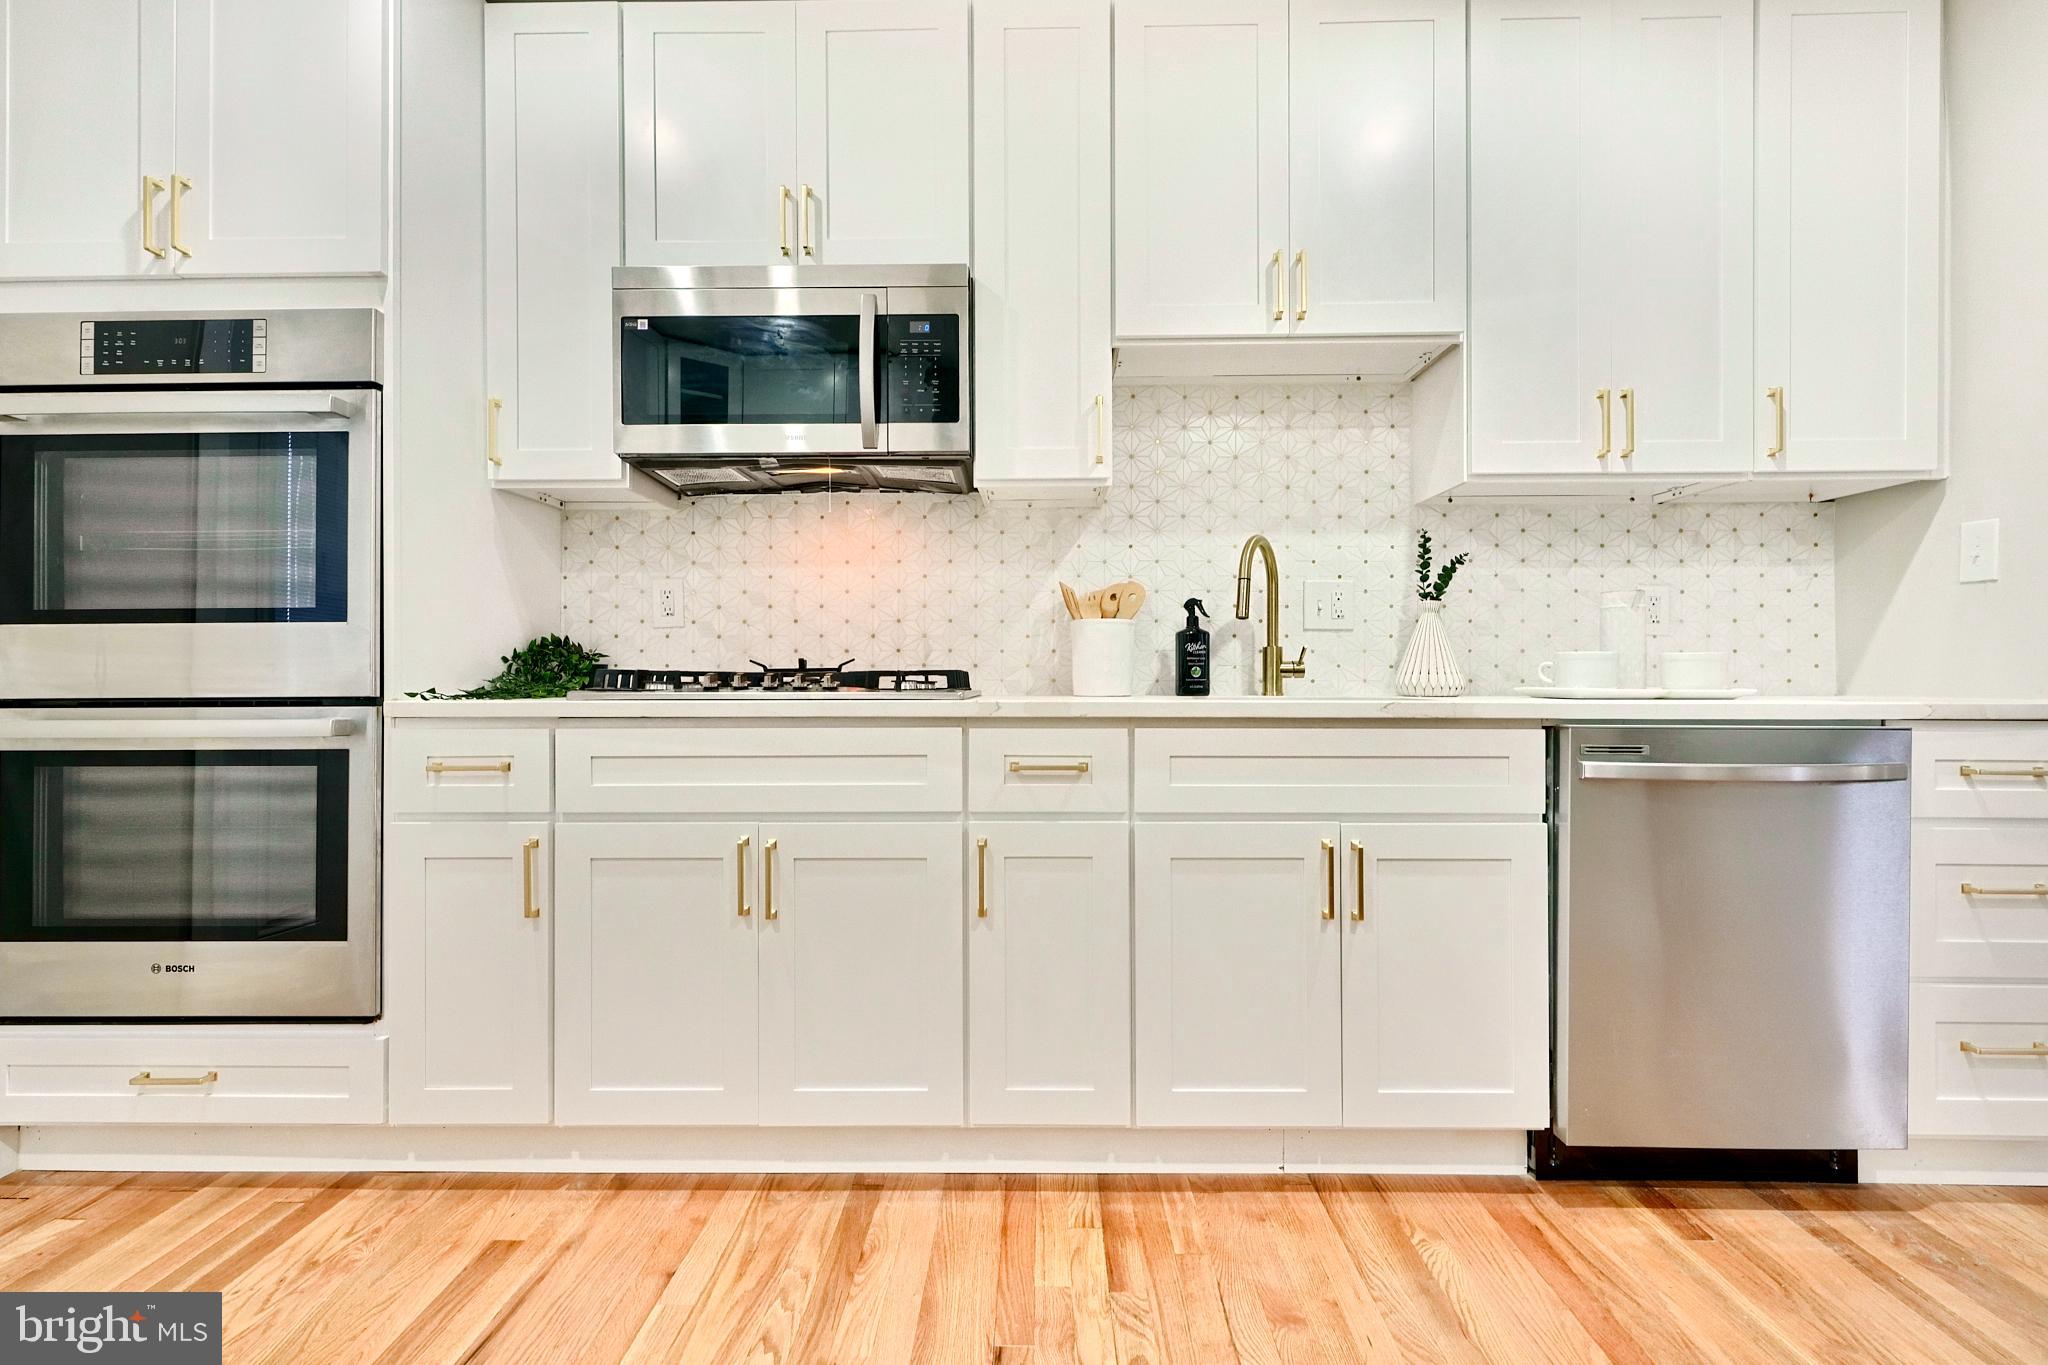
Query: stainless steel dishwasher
{"type": "Point", "coordinates": [1731, 936]}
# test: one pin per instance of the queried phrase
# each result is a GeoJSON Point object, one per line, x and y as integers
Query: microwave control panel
{"type": "Point", "coordinates": [921, 381]}
{"type": "Point", "coordinates": [170, 346]}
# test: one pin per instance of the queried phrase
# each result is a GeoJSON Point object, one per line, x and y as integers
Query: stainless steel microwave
{"type": "Point", "coordinates": [795, 378]}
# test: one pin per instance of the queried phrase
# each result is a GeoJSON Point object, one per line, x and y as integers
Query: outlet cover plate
{"type": "Point", "coordinates": [1329, 604]}
{"type": "Point", "coordinates": [665, 604]}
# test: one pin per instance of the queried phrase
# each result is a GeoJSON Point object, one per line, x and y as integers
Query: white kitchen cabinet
{"type": "Point", "coordinates": [1201, 157]}
{"type": "Point", "coordinates": [1238, 1008]}
{"type": "Point", "coordinates": [85, 104]}
{"type": "Point", "coordinates": [1377, 179]}
{"type": "Point", "coordinates": [1848, 231]}
{"type": "Point", "coordinates": [1048, 953]}
{"type": "Point", "coordinates": [467, 962]}
{"type": "Point", "coordinates": [860, 943]}
{"type": "Point", "coordinates": [551, 238]}
{"type": "Point", "coordinates": [656, 997]}
{"type": "Point", "coordinates": [1446, 976]}
{"type": "Point", "coordinates": [710, 133]}
{"type": "Point", "coordinates": [1042, 246]}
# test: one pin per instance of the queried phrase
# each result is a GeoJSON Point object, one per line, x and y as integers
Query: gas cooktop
{"type": "Point", "coordinates": [763, 680]}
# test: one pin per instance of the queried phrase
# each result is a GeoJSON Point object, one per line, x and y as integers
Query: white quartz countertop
{"type": "Point", "coordinates": [1529, 710]}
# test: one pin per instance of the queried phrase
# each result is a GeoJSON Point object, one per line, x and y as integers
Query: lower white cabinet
{"type": "Point", "coordinates": [1980, 1061]}
{"type": "Point", "coordinates": [1238, 975]}
{"type": "Point", "coordinates": [861, 1005]}
{"type": "Point", "coordinates": [656, 974]}
{"type": "Point", "coordinates": [467, 962]}
{"type": "Point", "coordinates": [1446, 976]}
{"type": "Point", "coordinates": [192, 1074]}
{"type": "Point", "coordinates": [1048, 973]}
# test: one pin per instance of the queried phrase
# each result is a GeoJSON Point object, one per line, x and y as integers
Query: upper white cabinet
{"type": "Point", "coordinates": [1042, 245]}
{"type": "Point", "coordinates": [824, 132]}
{"type": "Point", "coordinates": [1289, 168]}
{"type": "Point", "coordinates": [1848, 374]}
{"type": "Point", "coordinates": [191, 137]}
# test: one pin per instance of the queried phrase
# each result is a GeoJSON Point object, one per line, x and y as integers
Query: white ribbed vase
{"type": "Point", "coordinates": [1430, 668]}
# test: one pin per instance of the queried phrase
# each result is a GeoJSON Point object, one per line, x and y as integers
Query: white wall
{"type": "Point", "coordinates": [470, 573]}
{"type": "Point", "coordinates": [1904, 622]}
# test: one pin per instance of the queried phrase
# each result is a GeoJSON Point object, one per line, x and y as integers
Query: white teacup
{"type": "Point", "coordinates": [1581, 668]}
{"type": "Point", "coordinates": [1698, 671]}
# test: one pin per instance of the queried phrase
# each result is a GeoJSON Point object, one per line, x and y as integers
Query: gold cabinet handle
{"type": "Point", "coordinates": [746, 842]}
{"type": "Point", "coordinates": [805, 191]}
{"type": "Point", "coordinates": [768, 910]}
{"type": "Point", "coordinates": [150, 1078]}
{"type": "Point", "coordinates": [1358, 868]}
{"type": "Point", "coordinates": [1606, 402]}
{"type": "Point", "coordinates": [1628, 403]}
{"type": "Point", "coordinates": [782, 218]}
{"type": "Point", "coordinates": [179, 184]}
{"type": "Point", "coordinates": [502, 766]}
{"type": "Point", "coordinates": [2030, 1050]}
{"type": "Point", "coordinates": [2037, 772]}
{"type": "Point", "coordinates": [1301, 268]}
{"type": "Point", "coordinates": [1099, 445]}
{"type": "Point", "coordinates": [1777, 396]}
{"type": "Point", "coordinates": [491, 431]}
{"type": "Point", "coordinates": [1018, 766]}
{"type": "Point", "coordinates": [981, 879]}
{"type": "Point", "coordinates": [1279, 281]}
{"type": "Point", "coordinates": [526, 852]}
{"type": "Point", "coordinates": [2037, 889]}
{"type": "Point", "coordinates": [151, 188]}
{"type": "Point", "coordinates": [1329, 879]}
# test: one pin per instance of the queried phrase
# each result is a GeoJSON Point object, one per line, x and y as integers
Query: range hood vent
{"type": "Point", "coordinates": [695, 476]}
{"type": "Point", "coordinates": [1382, 359]}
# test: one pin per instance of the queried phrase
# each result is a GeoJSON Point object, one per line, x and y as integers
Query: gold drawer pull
{"type": "Point", "coordinates": [1358, 861]}
{"type": "Point", "coordinates": [981, 878]}
{"type": "Point", "coordinates": [1279, 273]}
{"type": "Point", "coordinates": [526, 852]}
{"type": "Point", "coordinates": [2037, 772]}
{"type": "Point", "coordinates": [782, 217]}
{"type": "Point", "coordinates": [1330, 879]}
{"type": "Point", "coordinates": [491, 413]}
{"type": "Point", "coordinates": [746, 842]}
{"type": "Point", "coordinates": [151, 188]}
{"type": "Point", "coordinates": [1018, 766]}
{"type": "Point", "coordinates": [2030, 1050]}
{"type": "Point", "coordinates": [147, 1078]}
{"type": "Point", "coordinates": [768, 910]}
{"type": "Point", "coordinates": [179, 184]}
{"type": "Point", "coordinates": [1777, 397]}
{"type": "Point", "coordinates": [2037, 889]}
{"type": "Point", "coordinates": [437, 766]}
{"type": "Point", "coordinates": [1605, 398]}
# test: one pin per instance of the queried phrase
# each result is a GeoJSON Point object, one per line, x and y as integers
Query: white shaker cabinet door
{"type": "Point", "coordinates": [1201, 168]}
{"type": "Point", "coordinates": [656, 997]}
{"type": "Point", "coordinates": [85, 116]}
{"type": "Point", "coordinates": [710, 133]}
{"type": "Point", "coordinates": [1682, 280]}
{"type": "Point", "coordinates": [1848, 175]}
{"type": "Point", "coordinates": [467, 962]}
{"type": "Point", "coordinates": [1377, 184]}
{"type": "Point", "coordinates": [1238, 971]}
{"type": "Point", "coordinates": [1042, 242]}
{"type": "Point", "coordinates": [861, 991]}
{"type": "Point", "coordinates": [280, 137]}
{"type": "Point", "coordinates": [1541, 265]}
{"type": "Point", "coordinates": [1049, 962]}
{"type": "Point", "coordinates": [1446, 976]}
{"type": "Point", "coordinates": [882, 131]}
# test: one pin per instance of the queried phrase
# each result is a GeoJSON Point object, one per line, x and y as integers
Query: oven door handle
{"type": "Point", "coordinates": [870, 430]}
{"type": "Point", "coordinates": [335, 727]}
{"type": "Point", "coordinates": [23, 407]}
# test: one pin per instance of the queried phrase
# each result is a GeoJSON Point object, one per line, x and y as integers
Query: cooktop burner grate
{"type": "Point", "coordinates": [803, 679]}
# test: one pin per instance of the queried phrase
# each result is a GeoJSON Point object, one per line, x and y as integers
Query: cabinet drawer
{"type": "Point", "coordinates": [1304, 771]}
{"type": "Point", "coordinates": [1980, 900]}
{"type": "Point", "coordinates": [190, 1075]}
{"type": "Point", "coordinates": [720, 769]}
{"type": "Point", "coordinates": [1063, 771]}
{"type": "Point", "coordinates": [2000, 1090]}
{"type": "Point", "coordinates": [1981, 772]}
{"type": "Point", "coordinates": [460, 770]}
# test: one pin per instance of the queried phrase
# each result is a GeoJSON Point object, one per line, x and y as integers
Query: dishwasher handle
{"type": "Point", "coordinates": [1743, 772]}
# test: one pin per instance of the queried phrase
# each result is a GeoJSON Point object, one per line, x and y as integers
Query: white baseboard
{"type": "Point", "coordinates": [1954, 1161]}
{"type": "Point", "coordinates": [149, 1147]}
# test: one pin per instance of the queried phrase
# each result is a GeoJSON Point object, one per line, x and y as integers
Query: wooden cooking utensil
{"type": "Point", "coordinates": [1073, 602]}
{"type": "Point", "coordinates": [1130, 595]}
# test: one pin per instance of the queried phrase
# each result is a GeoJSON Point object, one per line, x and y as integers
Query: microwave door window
{"type": "Point", "coordinates": [182, 529]}
{"type": "Point", "coordinates": [740, 371]}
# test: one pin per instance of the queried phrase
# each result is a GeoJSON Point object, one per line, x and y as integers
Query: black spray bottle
{"type": "Point", "coordinates": [1191, 654]}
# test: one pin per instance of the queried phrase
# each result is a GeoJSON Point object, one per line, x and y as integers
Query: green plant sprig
{"type": "Point", "coordinates": [1426, 588]}
{"type": "Point", "coordinates": [550, 666]}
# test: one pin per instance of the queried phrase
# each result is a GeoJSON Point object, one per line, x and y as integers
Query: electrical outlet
{"type": "Point", "coordinates": [1656, 608]}
{"type": "Point", "coordinates": [1327, 604]}
{"type": "Point", "coordinates": [1980, 551]}
{"type": "Point", "coordinates": [665, 605]}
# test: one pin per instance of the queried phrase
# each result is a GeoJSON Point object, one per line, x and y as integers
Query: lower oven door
{"type": "Point", "coordinates": [185, 864]}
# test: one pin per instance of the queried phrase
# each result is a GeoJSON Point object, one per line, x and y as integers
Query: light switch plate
{"type": "Point", "coordinates": [1328, 604]}
{"type": "Point", "coordinates": [665, 604]}
{"type": "Point", "coordinates": [1980, 551]}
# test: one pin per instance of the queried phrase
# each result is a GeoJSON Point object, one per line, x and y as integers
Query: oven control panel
{"type": "Point", "coordinates": [174, 346]}
{"type": "Point", "coordinates": [921, 381]}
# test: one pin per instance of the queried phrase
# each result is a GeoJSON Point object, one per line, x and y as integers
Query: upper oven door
{"type": "Point", "coordinates": [190, 544]}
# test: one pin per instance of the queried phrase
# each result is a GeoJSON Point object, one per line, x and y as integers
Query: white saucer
{"type": "Point", "coordinates": [1594, 693]}
{"type": "Point", "coordinates": [1708, 693]}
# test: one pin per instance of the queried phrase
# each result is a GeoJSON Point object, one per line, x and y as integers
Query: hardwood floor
{"type": "Point", "coordinates": [1033, 1270]}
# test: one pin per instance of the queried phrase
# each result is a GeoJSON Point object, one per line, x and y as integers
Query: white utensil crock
{"type": "Point", "coordinates": [1103, 656]}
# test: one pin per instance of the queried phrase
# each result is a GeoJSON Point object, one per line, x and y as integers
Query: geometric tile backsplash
{"type": "Point", "coordinates": [1323, 470]}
